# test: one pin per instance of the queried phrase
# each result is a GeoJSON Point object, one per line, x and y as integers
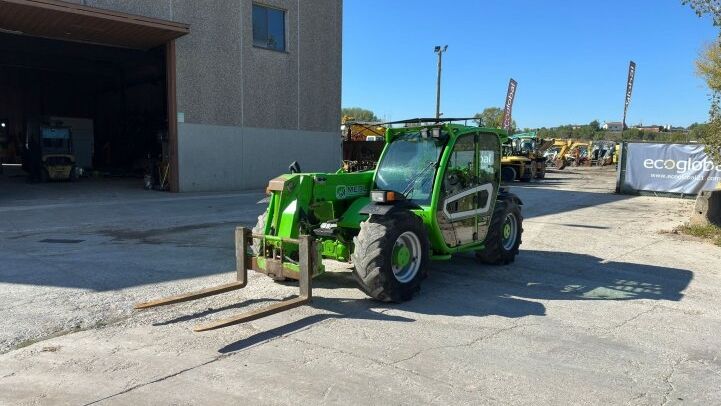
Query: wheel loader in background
{"type": "Point", "coordinates": [523, 157]}
{"type": "Point", "coordinates": [362, 144]}
{"type": "Point", "coordinates": [436, 192]}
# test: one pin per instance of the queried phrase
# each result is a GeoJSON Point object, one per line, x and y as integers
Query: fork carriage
{"type": "Point", "coordinates": [275, 262]}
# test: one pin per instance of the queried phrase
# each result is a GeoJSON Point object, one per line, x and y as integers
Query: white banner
{"type": "Point", "coordinates": [671, 168]}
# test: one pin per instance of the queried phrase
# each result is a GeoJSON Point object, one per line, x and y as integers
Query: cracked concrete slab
{"type": "Point", "coordinates": [602, 306]}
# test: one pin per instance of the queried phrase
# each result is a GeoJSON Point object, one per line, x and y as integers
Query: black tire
{"type": "Point", "coordinates": [495, 252]}
{"type": "Point", "coordinates": [508, 174]}
{"type": "Point", "coordinates": [529, 174]}
{"type": "Point", "coordinates": [44, 175]}
{"type": "Point", "coordinates": [73, 174]}
{"type": "Point", "coordinates": [373, 256]}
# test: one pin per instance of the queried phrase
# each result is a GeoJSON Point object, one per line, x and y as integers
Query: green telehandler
{"type": "Point", "coordinates": [435, 192]}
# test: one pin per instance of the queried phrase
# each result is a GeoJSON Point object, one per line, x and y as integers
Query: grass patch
{"type": "Point", "coordinates": [708, 232]}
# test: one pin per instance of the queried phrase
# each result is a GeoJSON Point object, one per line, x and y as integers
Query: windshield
{"type": "Point", "coordinates": [55, 140]}
{"type": "Point", "coordinates": [409, 166]}
{"type": "Point", "coordinates": [524, 146]}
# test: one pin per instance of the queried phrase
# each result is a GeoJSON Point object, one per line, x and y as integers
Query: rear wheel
{"type": "Point", "coordinates": [529, 174]}
{"type": "Point", "coordinates": [390, 256]}
{"type": "Point", "coordinates": [504, 235]}
{"type": "Point", "coordinates": [508, 174]}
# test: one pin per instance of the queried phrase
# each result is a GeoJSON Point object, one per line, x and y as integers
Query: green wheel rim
{"type": "Point", "coordinates": [406, 257]}
{"type": "Point", "coordinates": [510, 231]}
{"type": "Point", "coordinates": [401, 256]}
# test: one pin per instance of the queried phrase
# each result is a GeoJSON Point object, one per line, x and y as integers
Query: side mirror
{"type": "Point", "coordinates": [294, 167]}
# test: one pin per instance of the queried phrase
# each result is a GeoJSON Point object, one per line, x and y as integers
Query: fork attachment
{"type": "Point", "coordinates": [244, 261]}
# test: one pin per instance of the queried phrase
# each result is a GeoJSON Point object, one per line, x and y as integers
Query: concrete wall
{"type": "Point", "coordinates": [262, 107]}
{"type": "Point", "coordinates": [246, 158]}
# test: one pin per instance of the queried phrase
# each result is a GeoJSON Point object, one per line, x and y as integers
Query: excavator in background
{"type": "Point", "coordinates": [555, 152]}
{"type": "Point", "coordinates": [603, 153]}
{"type": "Point", "coordinates": [362, 143]}
{"type": "Point", "coordinates": [524, 157]}
{"type": "Point", "coordinates": [565, 153]}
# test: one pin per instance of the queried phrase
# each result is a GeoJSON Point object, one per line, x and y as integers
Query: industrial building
{"type": "Point", "coordinates": [206, 96]}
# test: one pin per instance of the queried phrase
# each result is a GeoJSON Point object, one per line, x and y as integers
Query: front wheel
{"type": "Point", "coordinates": [390, 256]}
{"type": "Point", "coordinates": [504, 235]}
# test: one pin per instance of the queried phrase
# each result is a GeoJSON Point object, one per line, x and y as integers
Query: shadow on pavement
{"type": "Point", "coordinates": [463, 287]}
{"type": "Point", "coordinates": [97, 266]}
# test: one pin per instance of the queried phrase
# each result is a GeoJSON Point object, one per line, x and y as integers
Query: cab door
{"type": "Point", "coordinates": [468, 189]}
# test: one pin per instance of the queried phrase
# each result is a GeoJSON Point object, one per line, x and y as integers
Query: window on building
{"type": "Point", "coordinates": [268, 27]}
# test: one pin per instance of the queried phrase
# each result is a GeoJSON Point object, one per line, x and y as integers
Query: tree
{"type": "Point", "coordinates": [708, 66]}
{"type": "Point", "coordinates": [703, 7]}
{"type": "Point", "coordinates": [595, 125]}
{"type": "Point", "coordinates": [492, 117]}
{"type": "Point", "coordinates": [358, 114]}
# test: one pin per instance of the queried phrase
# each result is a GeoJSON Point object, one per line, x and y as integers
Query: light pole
{"type": "Point", "coordinates": [439, 50]}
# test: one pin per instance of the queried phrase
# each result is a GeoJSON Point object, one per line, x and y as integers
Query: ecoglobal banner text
{"type": "Point", "coordinates": [670, 168]}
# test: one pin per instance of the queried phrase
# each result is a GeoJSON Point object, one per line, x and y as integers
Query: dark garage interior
{"type": "Point", "coordinates": [113, 99]}
{"type": "Point", "coordinates": [86, 95]}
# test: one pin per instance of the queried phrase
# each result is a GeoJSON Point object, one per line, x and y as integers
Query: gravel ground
{"type": "Point", "coordinates": [602, 306]}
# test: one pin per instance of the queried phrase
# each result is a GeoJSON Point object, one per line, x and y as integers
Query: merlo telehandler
{"type": "Point", "coordinates": [435, 193]}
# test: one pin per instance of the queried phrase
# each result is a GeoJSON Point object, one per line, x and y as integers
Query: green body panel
{"type": "Point", "coordinates": [352, 218]}
{"type": "Point", "coordinates": [300, 203]}
{"type": "Point", "coordinates": [530, 134]}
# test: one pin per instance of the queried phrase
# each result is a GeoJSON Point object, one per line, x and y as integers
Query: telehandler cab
{"type": "Point", "coordinates": [435, 192]}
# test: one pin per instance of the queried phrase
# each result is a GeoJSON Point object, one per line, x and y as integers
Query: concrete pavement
{"type": "Point", "coordinates": [602, 306]}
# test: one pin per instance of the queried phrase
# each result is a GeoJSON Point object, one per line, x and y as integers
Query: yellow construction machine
{"type": "Point", "coordinates": [565, 153]}
{"type": "Point", "coordinates": [49, 153]}
{"type": "Point", "coordinates": [524, 157]}
{"type": "Point", "coordinates": [362, 144]}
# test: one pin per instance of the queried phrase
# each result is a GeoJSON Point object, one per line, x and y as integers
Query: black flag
{"type": "Point", "coordinates": [629, 89]}
{"type": "Point", "coordinates": [508, 109]}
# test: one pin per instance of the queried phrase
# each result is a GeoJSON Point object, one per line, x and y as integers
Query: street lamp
{"type": "Point", "coordinates": [439, 50]}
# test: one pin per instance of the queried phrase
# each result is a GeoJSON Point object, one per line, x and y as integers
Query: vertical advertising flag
{"type": "Point", "coordinates": [629, 89]}
{"type": "Point", "coordinates": [508, 108]}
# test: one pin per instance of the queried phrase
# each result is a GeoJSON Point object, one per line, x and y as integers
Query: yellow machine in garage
{"type": "Point", "coordinates": [49, 153]}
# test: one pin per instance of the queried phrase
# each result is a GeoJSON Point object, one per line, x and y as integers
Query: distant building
{"type": "Point", "coordinates": [649, 128]}
{"type": "Point", "coordinates": [612, 126]}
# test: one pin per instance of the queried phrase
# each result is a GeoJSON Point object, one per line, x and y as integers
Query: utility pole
{"type": "Point", "coordinates": [439, 50]}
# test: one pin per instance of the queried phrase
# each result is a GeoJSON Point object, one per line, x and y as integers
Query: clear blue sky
{"type": "Point", "coordinates": [570, 58]}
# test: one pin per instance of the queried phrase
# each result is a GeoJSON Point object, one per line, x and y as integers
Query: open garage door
{"type": "Point", "coordinates": [108, 77]}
